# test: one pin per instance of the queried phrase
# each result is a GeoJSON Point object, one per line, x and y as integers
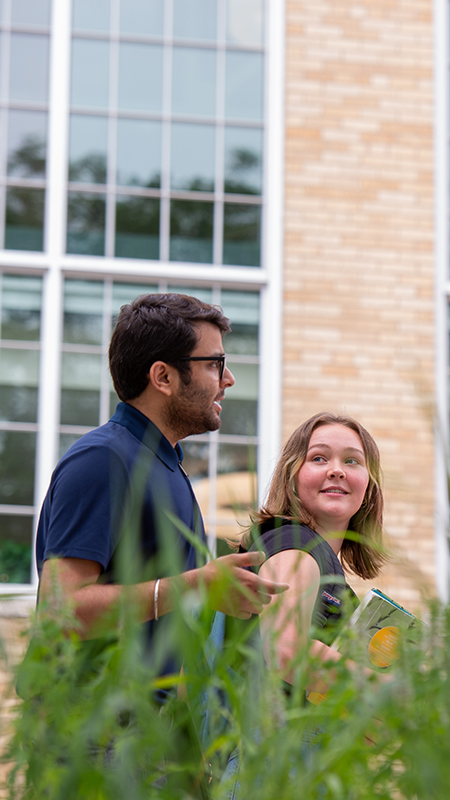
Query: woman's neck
{"type": "Point", "coordinates": [333, 537]}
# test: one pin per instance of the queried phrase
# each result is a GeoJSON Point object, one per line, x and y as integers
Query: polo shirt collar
{"type": "Point", "coordinates": [146, 431]}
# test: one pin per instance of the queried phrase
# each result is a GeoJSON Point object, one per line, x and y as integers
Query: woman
{"type": "Point", "coordinates": [326, 483]}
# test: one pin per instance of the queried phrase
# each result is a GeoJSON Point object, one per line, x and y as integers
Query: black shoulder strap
{"type": "Point", "coordinates": [293, 536]}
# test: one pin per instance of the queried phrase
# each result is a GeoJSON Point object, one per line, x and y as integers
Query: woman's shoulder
{"type": "Point", "coordinates": [278, 534]}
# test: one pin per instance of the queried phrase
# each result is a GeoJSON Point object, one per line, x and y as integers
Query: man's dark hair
{"type": "Point", "coordinates": [157, 327]}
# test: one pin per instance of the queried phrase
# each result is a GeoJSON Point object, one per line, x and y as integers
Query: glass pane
{"type": "Point", "coordinates": [88, 145]}
{"type": "Point", "coordinates": [194, 81]}
{"type": "Point", "coordinates": [18, 403]}
{"type": "Point", "coordinates": [16, 540]}
{"type": "Point", "coordinates": [19, 378]}
{"type": "Point", "coordinates": [21, 308]}
{"type": "Point", "coordinates": [137, 227]}
{"type": "Point", "coordinates": [113, 401]}
{"type": "Point", "coordinates": [17, 456]}
{"type": "Point", "coordinates": [236, 458]}
{"type": "Point", "coordinates": [242, 308]}
{"type": "Point", "coordinates": [86, 223]}
{"type": "Point", "coordinates": [144, 17]}
{"type": "Point", "coordinates": [236, 489]}
{"type": "Point", "coordinates": [136, 63]}
{"type": "Point", "coordinates": [29, 67]}
{"type": "Point", "coordinates": [90, 16]}
{"type": "Point", "coordinates": [138, 153]}
{"type": "Point", "coordinates": [192, 158]}
{"type": "Point", "coordinates": [194, 291]}
{"type": "Point", "coordinates": [83, 312]}
{"type": "Point", "coordinates": [243, 160]}
{"type": "Point", "coordinates": [245, 22]}
{"type": "Point", "coordinates": [239, 409]}
{"type": "Point", "coordinates": [196, 459]}
{"type": "Point", "coordinates": [27, 143]}
{"type": "Point", "coordinates": [66, 440]}
{"type": "Point", "coordinates": [195, 19]}
{"type": "Point", "coordinates": [80, 389]}
{"type": "Point", "coordinates": [191, 231]}
{"type": "Point", "coordinates": [24, 228]}
{"type": "Point", "coordinates": [124, 293]}
{"type": "Point", "coordinates": [244, 85]}
{"type": "Point", "coordinates": [246, 386]}
{"type": "Point", "coordinates": [242, 234]}
{"type": "Point", "coordinates": [30, 12]}
{"type": "Point", "coordinates": [239, 417]}
{"type": "Point", "coordinates": [90, 73]}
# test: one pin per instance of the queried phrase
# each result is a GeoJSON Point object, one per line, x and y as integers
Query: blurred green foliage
{"type": "Point", "coordinates": [15, 561]}
{"type": "Point", "coordinates": [90, 725]}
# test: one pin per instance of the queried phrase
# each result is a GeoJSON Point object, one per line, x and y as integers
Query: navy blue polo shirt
{"type": "Point", "coordinates": [122, 477]}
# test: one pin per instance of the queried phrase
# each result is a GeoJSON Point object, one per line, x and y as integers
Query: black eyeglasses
{"type": "Point", "coordinates": [219, 360]}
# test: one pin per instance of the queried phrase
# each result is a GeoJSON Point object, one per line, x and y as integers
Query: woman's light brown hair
{"type": "Point", "coordinates": [364, 557]}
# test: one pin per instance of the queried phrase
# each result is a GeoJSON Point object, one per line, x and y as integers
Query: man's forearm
{"type": "Point", "coordinates": [227, 585]}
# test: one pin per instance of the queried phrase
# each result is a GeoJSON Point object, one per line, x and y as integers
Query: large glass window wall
{"type": "Point", "coordinates": [24, 87]}
{"type": "Point", "coordinates": [162, 163]}
{"type": "Point", "coordinates": [166, 130]}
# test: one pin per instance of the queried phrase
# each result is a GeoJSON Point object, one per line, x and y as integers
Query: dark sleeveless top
{"type": "Point", "coordinates": [276, 535]}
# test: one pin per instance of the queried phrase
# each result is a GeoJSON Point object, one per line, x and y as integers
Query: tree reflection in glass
{"type": "Point", "coordinates": [137, 227]}
{"type": "Point", "coordinates": [24, 229]}
{"type": "Point", "coordinates": [191, 231]}
{"type": "Point", "coordinates": [86, 223]}
{"type": "Point", "coordinates": [27, 144]}
{"type": "Point", "coordinates": [243, 160]}
{"type": "Point", "coordinates": [241, 234]}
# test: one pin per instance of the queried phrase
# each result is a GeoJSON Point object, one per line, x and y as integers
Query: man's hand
{"type": "Point", "coordinates": [237, 591]}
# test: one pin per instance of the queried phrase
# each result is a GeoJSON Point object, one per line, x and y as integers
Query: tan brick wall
{"type": "Point", "coordinates": [359, 239]}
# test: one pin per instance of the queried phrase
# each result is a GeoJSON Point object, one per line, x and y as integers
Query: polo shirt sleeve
{"type": "Point", "coordinates": [85, 505]}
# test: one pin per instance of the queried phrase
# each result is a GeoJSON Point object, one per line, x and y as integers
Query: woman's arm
{"type": "Point", "coordinates": [289, 616]}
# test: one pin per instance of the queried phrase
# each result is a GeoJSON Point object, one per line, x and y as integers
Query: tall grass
{"type": "Point", "coordinates": [93, 723]}
{"type": "Point", "coordinates": [91, 726]}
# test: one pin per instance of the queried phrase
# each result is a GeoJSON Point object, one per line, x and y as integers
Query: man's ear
{"type": "Point", "coordinates": [163, 377]}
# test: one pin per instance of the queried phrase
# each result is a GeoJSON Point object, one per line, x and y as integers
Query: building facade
{"type": "Point", "coordinates": [286, 160]}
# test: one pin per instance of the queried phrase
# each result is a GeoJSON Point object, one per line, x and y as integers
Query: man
{"type": "Point", "coordinates": [168, 367]}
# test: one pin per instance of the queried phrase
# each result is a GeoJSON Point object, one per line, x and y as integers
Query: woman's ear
{"type": "Point", "coordinates": [163, 377]}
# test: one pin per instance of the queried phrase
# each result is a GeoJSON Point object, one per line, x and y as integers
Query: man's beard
{"type": "Point", "coordinates": [191, 412]}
